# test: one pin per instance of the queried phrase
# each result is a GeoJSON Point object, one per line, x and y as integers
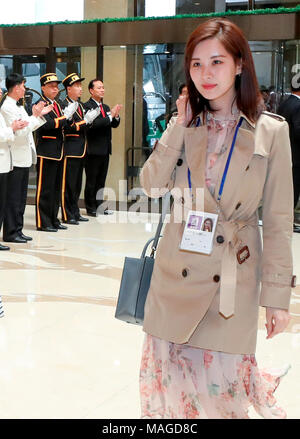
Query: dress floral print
{"type": "Point", "coordinates": [182, 382]}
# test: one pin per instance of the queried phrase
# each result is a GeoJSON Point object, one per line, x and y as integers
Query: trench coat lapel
{"type": "Point", "coordinates": [241, 157]}
{"type": "Point", "coordinates": [195, 150]}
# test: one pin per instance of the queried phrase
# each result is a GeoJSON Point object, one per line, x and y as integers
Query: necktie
{"type": "Point", "coordinates": [55, 106]}
{"type": "Point", "coordinates": [79, 110]}
{"type": "Point", "coordinates": [102, 111]}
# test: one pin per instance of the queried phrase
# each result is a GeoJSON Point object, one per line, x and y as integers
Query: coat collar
{"type": "Point", "coordinates": [96, 103]}
{"type": "Point", "coordinates": [252, 124]}
{"type": "Point", "coordinates": [195, 150]}
{"type": "Point", "coordinates": [11, 100]}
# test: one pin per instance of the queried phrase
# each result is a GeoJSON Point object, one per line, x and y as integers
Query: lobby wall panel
{"type": "Point", "coordinates": [258, 27]}
{"type": "Point", "coordinates": [24, 37]}
{"type": "Point", "coordinates": [73, 35]}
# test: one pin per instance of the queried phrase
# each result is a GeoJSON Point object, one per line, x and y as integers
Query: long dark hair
{"type": "Point", "coordinates": [231, 36]}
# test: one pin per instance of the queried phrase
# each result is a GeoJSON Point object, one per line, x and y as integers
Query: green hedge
{"type": "Point", "coordinates": [280, 10]}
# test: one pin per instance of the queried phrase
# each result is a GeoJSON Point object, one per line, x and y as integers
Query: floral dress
{"type": "Point", "coordinates": [178, 381]}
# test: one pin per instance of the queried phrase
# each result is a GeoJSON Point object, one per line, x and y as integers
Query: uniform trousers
{"type": "Point", "coordinates": [96, 167]}
{"type": "Point", "coordinates": [17, 185]}
{"type": "Point", "coordinates": [296, 181]}
{"type": "Point", "coordinates": [49, 173]}
{"type": "Point", "coordinates": [71, 187]}
{"type": "Point", "coordinates": [3, 194]}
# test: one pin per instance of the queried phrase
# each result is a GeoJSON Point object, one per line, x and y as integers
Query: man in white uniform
{"type": "Point", "coordinates": [7, 134]}
{"type": "Point", "coordinates": [23, 156]}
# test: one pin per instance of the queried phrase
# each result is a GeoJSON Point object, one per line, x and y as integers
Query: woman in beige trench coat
{"type": "Point", "coordinates": [201, 312]}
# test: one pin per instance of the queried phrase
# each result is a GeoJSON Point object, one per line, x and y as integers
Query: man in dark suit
{"type": "Point", "coordinates": [98, 147]}
{"type": "Point", "coordinates": [74, 150]}
{"type": "Point", "coordinates": [290, 109]}
{"type": "Point", "coordinates": [50, 154]}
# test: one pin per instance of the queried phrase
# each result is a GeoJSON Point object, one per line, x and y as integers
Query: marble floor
{"type": "Point", "coordinates": [62, 352]}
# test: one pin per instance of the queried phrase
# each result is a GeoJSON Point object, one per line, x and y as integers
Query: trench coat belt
{"type": "Point", "coordinates": [229, 264]}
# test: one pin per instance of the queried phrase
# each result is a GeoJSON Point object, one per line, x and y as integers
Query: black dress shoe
{"type": "Point", "coordinates": [28, 238]}
{"type": "Point", "coordinates": [72, 221]}
{"type": "Point", "coordinates": [81, 218]}
{"type": "Point", "coordinates": [46, 229]}
{"type": "Point", "coordinates": [60, 227]}
{"type": "Point", "coordinates": [4, 247]}
{"type": "Point", "coordinates": [16, 240]}
{"type": "Point", "coordinates": [296, 228]}
{"type": "Point", "coordinates": [91, 213]}
{"type": "Point", "coordinates": [105, 212]}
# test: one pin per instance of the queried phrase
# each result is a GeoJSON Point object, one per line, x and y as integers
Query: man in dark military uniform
{"type": "Point", "coordinates": [49, 156]}
{"type": "Point", "coordinates": [74, 151]}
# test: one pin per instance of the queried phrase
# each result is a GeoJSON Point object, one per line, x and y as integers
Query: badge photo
{"type": "Point", "coordinates": [199, 230]}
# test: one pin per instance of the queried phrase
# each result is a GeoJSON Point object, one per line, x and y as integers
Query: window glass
{"type": "Point", "coordinates": [30, 66]}
{"type": "Point", "coordinates": [67, 61]}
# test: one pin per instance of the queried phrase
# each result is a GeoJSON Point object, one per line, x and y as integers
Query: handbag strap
{"type": "Point", "coordinates": [165, 205]}
{"type": "Point", "coordinates": [146, 247]}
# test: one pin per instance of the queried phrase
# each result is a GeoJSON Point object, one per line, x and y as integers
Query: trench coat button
{"type": "Point", "coordinates": [220, 239]}
{"type": "Point", "coordinates": [247, 169]}
{"type": "Point", "coordinates": [238, 206]}
{"type": "Point", "coordinates": [182, 200]}
{"type": "Point", "coordinates": [216, 278]}
{"type": "Point", "coordinates": [179, 162]}
{"type": "Point", "coordinates": [185, 272]}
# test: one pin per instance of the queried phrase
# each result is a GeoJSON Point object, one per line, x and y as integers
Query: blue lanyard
{"type": "Point", "coordinates": [227, 162]}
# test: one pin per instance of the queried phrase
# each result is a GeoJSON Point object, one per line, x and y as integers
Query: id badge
{"type": "Point", "coordinates": [199, 231]}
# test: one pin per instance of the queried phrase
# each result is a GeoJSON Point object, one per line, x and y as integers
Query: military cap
{"type": "Point", "coordinates": [49, 77]}
{"type": "Point", "coordinates": [71, 79]}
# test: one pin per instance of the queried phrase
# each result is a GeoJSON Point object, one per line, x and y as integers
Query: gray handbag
{"type": "Point", "coordinates": [136, 278]}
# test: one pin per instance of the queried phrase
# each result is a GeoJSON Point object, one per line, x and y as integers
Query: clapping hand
{"type": "Point", "coordinates": [19, 125]}
{"type": "Point", "coordinates": [47, 109]}
{"type": "Point", "coordinates": [116, 110]}
{"type": "Point", "coordinates": [90, 115]}
{"type": "Point", "coordinates": [38, 108]}
{"type": "Point", "coordinates": [70, 110]}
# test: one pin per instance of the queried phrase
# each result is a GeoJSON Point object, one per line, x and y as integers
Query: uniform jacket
{"type": "Point", "coordinates": [50, 135]}
{"type": "Point", "coordinates": [99, 132]}
{"type": "Point", "coordinates": [6, 135]}
{"type": "Point", "coordinates": [23, 146]}
{"type": "Point", "coordinates": [183, 300]}
{"type": "Point", "coordinates": [290, 109]}
{"type": "Point", "coordinates": [74, 130]}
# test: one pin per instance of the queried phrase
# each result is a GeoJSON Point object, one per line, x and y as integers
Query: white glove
{"type": "Point", "coordinates": [90, 115]}
{"type": "Point", "coordinates": [70, 110]}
